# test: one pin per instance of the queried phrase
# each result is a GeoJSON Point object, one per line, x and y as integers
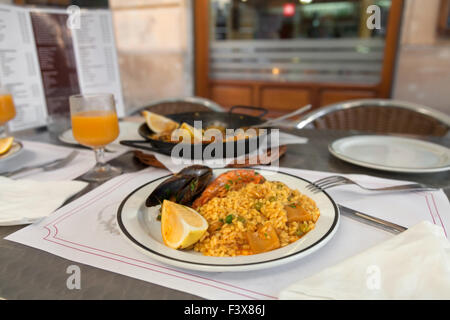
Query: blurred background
{"type": "Point", "coordinates": [279, 54]}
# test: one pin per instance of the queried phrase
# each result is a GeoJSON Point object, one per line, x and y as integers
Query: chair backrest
{"type": "Point", "coordinates": [379, 116]}
{"type": "Point", "coordinates": [179, 105]}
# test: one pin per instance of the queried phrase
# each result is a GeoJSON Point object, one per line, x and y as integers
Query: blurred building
{"type": "Point", "coordinates": [423, 60]}
{"type": "Point", "coordinates": [280, 54]}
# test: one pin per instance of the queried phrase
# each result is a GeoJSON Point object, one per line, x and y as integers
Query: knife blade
{"type": "Point", "coordinates": [371, 220]}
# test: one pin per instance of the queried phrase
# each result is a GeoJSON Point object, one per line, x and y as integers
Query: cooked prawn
{"type": "Point", "coordinates": [230, 180]}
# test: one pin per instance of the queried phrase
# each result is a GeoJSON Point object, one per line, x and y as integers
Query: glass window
{"type": "Point", "coordinates": [303, 40]}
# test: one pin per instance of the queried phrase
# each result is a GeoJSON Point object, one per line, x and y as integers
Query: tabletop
{"type": "Point", "coordinates": [28, 273]}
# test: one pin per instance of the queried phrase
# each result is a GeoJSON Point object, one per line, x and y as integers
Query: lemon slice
{"type": "Point", "coordinates": [181, 226]}
{"type": "Point", "coordinates": [181, 135]}
{"type": "Point", "coordinates": [158, 123]}
{"type": "Point", "coordinates": [6, 144]}
{"type": "Point", "coordinates": [195, 133]}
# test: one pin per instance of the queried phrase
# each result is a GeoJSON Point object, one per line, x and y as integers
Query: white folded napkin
{"type": "Point", "coordinates": [412, 265]}
{"type": "Point", "coordinates": [26, 201]}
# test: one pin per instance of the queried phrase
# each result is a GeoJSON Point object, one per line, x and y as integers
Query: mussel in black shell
{"type": "Point", "coordinates": [182, 187]}
{"type": "Point", "coordinates": [203, 173]}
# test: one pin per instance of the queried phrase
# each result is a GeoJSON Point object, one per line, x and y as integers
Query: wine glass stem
{"type": "Point", "coordinates": [3, 132]}
{"type": "Point", "coordinates": [100, 156]}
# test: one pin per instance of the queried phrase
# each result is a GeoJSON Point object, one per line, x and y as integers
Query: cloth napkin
{"type": "Point", "coordinates": [412, 265]}
{"type": "Point", "coordinates": [26, 201]}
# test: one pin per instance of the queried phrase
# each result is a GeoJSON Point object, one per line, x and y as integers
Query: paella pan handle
{"type": "Point", "coordinates": [263, 110]}
{"type": "Point", "coordinates": [138, 144]}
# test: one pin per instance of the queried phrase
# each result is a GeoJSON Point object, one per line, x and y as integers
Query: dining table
{"type": "Point", "coordinates": [29, 273]}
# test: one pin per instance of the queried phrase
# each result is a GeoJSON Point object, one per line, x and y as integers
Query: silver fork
{"type": "Point", "coordinates": [335, 181]}
{"type": "Point", "coordinates": [52, 165]}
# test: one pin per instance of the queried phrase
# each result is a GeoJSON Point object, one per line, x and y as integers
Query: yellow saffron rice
{"type": "Point", "coordinates": [246, 209]}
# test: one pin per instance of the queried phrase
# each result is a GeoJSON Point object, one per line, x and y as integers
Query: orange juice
{"type": "Point", "coordinates": [7, 110]}
{"type": "Point", "coordinates": [95, 128]}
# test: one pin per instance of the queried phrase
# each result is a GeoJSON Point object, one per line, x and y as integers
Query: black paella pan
{"type": "Point", "coordinates": [228, 120]}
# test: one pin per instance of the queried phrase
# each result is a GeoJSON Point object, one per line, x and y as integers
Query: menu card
{"type": "Point", "coordinates": [43, 61]}
{"type": "Point", "coordinates": [19, 68]}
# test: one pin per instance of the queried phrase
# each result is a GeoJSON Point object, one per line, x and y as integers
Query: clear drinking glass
{"type": "Point", "coordinates": [95, 125]}
{"type": "Point", "coordinates": [7, 110]}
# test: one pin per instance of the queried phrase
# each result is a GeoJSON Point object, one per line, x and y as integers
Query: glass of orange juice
{"type": "Point", "coordinates": [7, 110]}
{"type": "Point", "coordinates": [95, 125]}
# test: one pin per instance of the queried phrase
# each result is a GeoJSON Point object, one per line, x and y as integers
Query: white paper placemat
{"type": "Point", "coordinates": [85, 231]}
{"type": "Point", "coordinates": [37, 152]}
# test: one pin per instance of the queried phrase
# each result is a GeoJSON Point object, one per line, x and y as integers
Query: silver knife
{"type": "Point", "coordinates": [48, 166]}
{"type": "Point", "coordinates": [370, 220]}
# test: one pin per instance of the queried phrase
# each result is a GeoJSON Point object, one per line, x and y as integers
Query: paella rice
{"type": "Point", "coordinates": [254, 207]}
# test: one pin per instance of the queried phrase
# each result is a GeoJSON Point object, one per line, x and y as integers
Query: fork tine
{"type": "Point", "coordinates": [329, 186]}
{"type": "Point", "coordinates": [331, 182]}
{"type": "Point", "coordinates": [332, 179]}
{"type": "Point", "coordinates": [324, 179]}
{"type": "Point", "coordinates": [316, 186]}
{"type": "Point", "coordinates": [316, 183]}
{"type": "Point", "coordinates": [312, 186]}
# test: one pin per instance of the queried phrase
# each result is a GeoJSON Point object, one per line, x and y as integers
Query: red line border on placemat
{"type": "Point", "coordinates": [127, 179]}
{"type": "Point", "coordinates": [139, 266]}
{"type": "Point", "coordinates": [103, 194]}
{"type": "Point", "coordinates": [437, 211]}
{"type": "Point", "coordinates": [429, 208]}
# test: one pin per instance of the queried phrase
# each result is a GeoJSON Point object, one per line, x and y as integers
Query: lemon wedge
{"type": "Point", "coordinates": [158, 123]}
{"type": "Point", "coordinates": [195, 133]}
{"type": "Point", "coordinates": [181, 135]}
{"type": "Point", "coordinates": [6, 144]}
{"type": "Point", "coordinates": [181, 226]}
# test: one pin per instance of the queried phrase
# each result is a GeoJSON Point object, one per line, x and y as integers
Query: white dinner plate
{"type": "Point", "coordinates": [128, 131]}
{"type": "Point", "coordinates": [16, 148]}
{"type": "Point", "coordinates": [139, 225]}
{"type": "Point", "coordinates": [396, 154]}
